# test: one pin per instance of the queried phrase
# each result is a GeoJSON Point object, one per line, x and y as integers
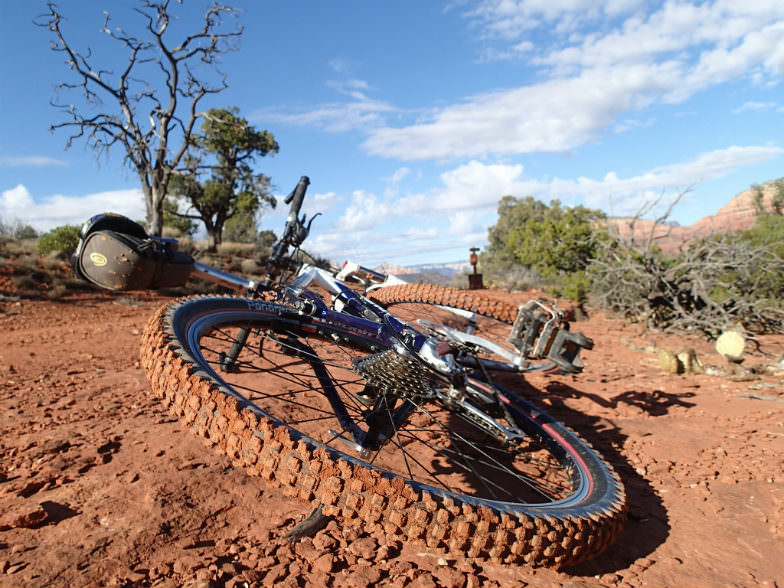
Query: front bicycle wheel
{"type": "Point", "coordinates": [296, 412]}
{"type": "Point", "coordinates": [477, 326]}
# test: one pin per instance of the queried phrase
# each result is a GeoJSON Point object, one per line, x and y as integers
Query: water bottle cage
{"type": "Point", "coordinates": [540, 332]}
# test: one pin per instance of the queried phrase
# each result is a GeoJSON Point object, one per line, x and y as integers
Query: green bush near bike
{"type": "Point", "coordinates": [61, 240]}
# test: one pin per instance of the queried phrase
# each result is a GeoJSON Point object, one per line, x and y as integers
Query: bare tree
{"type": "Point", "coordinates": [708, 285]}
{"type": "Point", "coordinates": [153, 124]}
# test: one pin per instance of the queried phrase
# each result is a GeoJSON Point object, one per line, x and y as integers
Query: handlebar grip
{"type": "Point", "coordinates": [297, 196]}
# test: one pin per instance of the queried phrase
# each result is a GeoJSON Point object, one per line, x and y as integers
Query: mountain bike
{"type": "Point", "coordinates": [309, 379]}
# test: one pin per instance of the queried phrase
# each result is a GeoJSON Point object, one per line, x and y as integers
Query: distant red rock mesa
{"type": "Point", "coordinates": [738, 214]}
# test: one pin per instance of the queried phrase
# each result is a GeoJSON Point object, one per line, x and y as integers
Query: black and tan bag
{"type": "Point", "coordinates": [116, 253]}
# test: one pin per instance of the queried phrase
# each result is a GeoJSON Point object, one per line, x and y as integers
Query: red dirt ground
{"type": "Point", "coordinates": [99, 485]}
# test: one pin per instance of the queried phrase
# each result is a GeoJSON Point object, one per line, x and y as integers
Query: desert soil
{"type": "Point", "coordinates": [99, 485]}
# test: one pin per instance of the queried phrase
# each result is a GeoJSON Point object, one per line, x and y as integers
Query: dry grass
{"type": "Point", "coordinates": [35, 276]}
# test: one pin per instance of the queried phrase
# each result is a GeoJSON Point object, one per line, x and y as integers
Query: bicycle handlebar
{"type": "Point", "coordinates": [296, 197]}
{"type": "Point", "coordinates": [296, 229]}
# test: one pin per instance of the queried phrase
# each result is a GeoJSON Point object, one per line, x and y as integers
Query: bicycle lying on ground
{"type": "Point", "coordinates": [377, 402]}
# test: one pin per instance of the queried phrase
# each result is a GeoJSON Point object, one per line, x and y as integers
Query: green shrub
{"type": "Point", "coordinates": [22, 231]}
{"type": "Point", "coordinates": [61, 240]}
{"type": "Point", "coordinates": [266, 238]}
{"type": "Point", "coordinates": [240, 228]}
{"type": "Point", "coordinates": [535, 244]}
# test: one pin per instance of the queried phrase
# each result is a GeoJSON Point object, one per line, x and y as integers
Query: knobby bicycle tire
{"type": "Point", "coordinates": [452, 297]}
{"type": "Point", "coordinates": [553, 534]}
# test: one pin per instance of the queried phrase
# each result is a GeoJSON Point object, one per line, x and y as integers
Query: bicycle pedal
{"type": "Point", "coordinates": [565, 350]}
{"type": "Point", "coordinates": [540, 333]}
{"type": "Point", "coordinates": [533, 328]}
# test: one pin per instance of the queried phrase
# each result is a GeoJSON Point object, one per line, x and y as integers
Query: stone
{"type": "Point", "coordinates": [668, 362]}
{"type": "Point", "coordinates": [731, 344]}
{"type": "Point", "coordinates": [365, 547]}
{"type": "Point", "coordinates": [324, 564]}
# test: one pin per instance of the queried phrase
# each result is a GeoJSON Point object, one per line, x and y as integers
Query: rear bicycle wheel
{"type": "Point", "coordinates": [296, 413]}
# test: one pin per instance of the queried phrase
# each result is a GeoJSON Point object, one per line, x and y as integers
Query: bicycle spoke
{"type": "Point", "coordinates": [317, 383]}
{"type": "Point", "coordinates": [495, 464]}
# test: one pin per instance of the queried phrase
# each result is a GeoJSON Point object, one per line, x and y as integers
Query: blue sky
{"type": "Point", "coordinates": [413, 118]}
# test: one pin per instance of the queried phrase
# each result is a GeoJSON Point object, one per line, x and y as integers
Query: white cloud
{"type": "Point", "coordinates": [463, 222]}
{"type": "Point", "coordinates": [30, 161]}
{"type": "Point", "coordinates": [360, 112]}
{"type": "Point", "coordinates": [752, 106]}
{"type": "Point", "coordinates": [476, 187]}
{"type": "Point", "coordinates": [553, 116]}
{"type": "Point", "coordinates": [393, 181]}
{"type": "Point", "coordinates": [509, 19]}
{"type": "Point", "coordinates": [49, 212]}
{"type": "Point", "coordinates": [455, 215]}
{"type": "Point", "coordinates": [593, 79]}
{"type": "Point", "coordinates": [623, 196]}
{"type": "Point", "coordinates": [16, 199]}
{"type": "Point", "coordinates": [633, 123]}
{"type": "Point", "coordinates": [336, 117]}
{"type": "Point", "coordinates": [365, 212]}
{"type": "Point", "coordinates": [352, 88]}
{"type": "Point", "coordinates": [398, 175]}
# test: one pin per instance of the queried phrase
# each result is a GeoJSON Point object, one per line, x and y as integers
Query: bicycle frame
{"type": "Point", "coordinates": [349, 309]}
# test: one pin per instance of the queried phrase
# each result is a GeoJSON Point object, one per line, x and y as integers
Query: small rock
{"type": "Point", "coordinates": [384, 553]}
{"type": "Point", "coordinates": [130, 477]}
{"type": "Point", "coordinates": [365, 548]}
{"type": "Point", "coordinates": [323, 541]}
{"type": "Point", "coordinates": [276, 573]}
{"type": "Point", "coordinates": [351, 534]}
{"type": "Point", "coordinates": [31, 488]}
{"type": "Point", "coordinates": [448, 576]}
{"type": "Point", "coordinates": [424, 580]}
{"type": "Point", "coordinates": [324, 564]}
{"type": "Point", "coordinates": [668, 362]}
{"type": "Point", "coordinates": [27, 520]}
{"type": "Point", "coordinates": [55, 446]}
{"type": "Point", "coordinates": [265, 562]}
{"type": "Point", "coordinates": [690, 362]}
{"type": "Point", "coordinates": [714, 370]}
{"type": "Point", "coordinates": [203, 574]}
{"type": "Point", "coordinates": [199, 583]}
{"type": "Point", "coordinates": [231, 568]}
{"type": "Point", "coordinates": [363, 575]}
{"type": "Point", "coordinates": [14, 568]}
{"type": "Point", "coordinates": [400, 567]}
{"type": "Point", "coordinates": [731, 345]}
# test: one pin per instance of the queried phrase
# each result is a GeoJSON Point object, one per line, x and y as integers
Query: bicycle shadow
{"type": "Point", "coordinates": [647, 524]}
{"type": "Point", "coordinates": [656, 403]}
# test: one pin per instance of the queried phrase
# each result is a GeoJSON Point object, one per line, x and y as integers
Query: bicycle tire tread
{"type": "Point", "coordinates": [353, 493]}
{"type": "Point", "coordinates": [433, 294]}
